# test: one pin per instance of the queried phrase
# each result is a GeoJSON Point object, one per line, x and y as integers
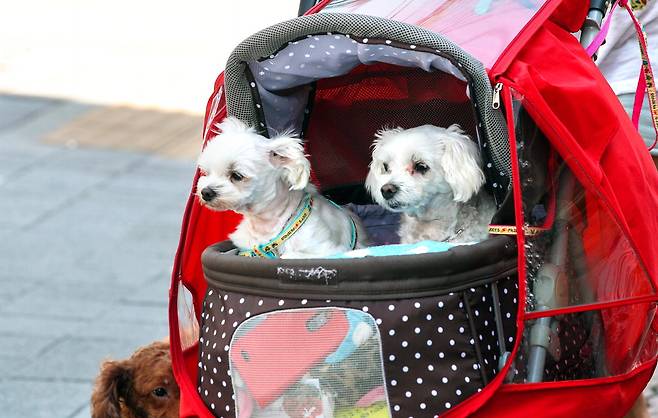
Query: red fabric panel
{"type": "Point", "coordinates": [204, 227]}
{"type": "Point", "coordinates": [190, 403]}
{"type": "Point", "coordinates": [349, 110]}
{"type": "Point", "coordinates": [574, 106]}
{"type": "Point", "coordinates": [201, 227]}
{"type": "Point", "coordinates": [571, 14]}
{"type": "Point", "coordinates": [606, 397]}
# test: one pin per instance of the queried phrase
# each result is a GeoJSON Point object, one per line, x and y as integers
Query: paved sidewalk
{"type": "Point", "coordinates": [87, 241]}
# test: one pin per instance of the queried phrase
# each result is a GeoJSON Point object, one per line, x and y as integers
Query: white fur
{"type": "Point", "coordinates": [275, 179]}
{"type": "Point", "coordinates": [447, 198]}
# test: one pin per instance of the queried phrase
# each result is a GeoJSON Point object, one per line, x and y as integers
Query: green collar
{"type": "Point", "coordinates": [270, 248]}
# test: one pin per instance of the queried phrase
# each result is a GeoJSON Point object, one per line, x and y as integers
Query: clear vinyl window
{"type": "Point", "coordinates": [316, 362]}
{"type": "Point", "coordinates": [579, 264]}
{"type": "Point", "coordinates": [576, 252]}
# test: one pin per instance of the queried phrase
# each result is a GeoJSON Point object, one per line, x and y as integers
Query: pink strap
{"type": "Point", "coordinates": [646, 81]}
{"type": "Point", "coordinates": [639, 98]}
{"type": "Point", "coordinates": [600, 37]}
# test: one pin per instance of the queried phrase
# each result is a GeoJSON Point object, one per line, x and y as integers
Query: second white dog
{"type": "Point", "coordinates": [267, 181]}
{"type": "Point", "coordinates": [432, 176]}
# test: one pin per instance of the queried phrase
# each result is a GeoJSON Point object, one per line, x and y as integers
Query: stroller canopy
{"type": "Point", "coordinates": [573, 184]}
{"type": "Point", "coordinates": [484, 29]}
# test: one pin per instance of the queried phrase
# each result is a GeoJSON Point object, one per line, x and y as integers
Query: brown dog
{"type": "Point", "coordinates": [639, 409]}
{"type": "Point", "coordinates": [139, 387]}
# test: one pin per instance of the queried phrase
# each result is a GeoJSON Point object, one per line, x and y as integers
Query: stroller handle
{"type": "Point", "coordinates": [592, 24]}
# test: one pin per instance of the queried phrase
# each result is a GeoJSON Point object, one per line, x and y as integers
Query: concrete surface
{"type": "Point", "coordinates": [162, 54]}
{"type": "Point", "coordinates": [88, 237]}
{"type": "Point", "coordinates": [100, 113]}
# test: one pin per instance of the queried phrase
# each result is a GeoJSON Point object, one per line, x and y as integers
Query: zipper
{"type": "Point", "coordinates": [496, 95]}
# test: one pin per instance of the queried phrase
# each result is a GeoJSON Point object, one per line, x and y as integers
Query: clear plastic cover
{"type": "Point", "coordinates": [576, 251]}
{"type": "Point", "coordinates": [577, 258]}
{"type": "Point", "coordinates": [586, 345]}
{"type": "Point", "coordinates": [316, 362]}
{"type": "Point", "coordinates": [188, 326]}
{"type": "Point", "coordinates": [483, 28]}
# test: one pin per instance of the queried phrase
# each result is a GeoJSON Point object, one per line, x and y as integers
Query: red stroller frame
{"type": "Point", "coordinates": [580, 183]}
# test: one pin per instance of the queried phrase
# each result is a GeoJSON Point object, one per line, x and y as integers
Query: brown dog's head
{"type": "Point", "coordinates": [139, 387]}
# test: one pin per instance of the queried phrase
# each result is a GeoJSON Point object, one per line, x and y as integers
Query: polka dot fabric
{"type": "Point", "coordinates": [432, 354]}
{"type": "Point", "coordinates": [574, 353]}
{"type": "Point", "coordinates": [484, 319]}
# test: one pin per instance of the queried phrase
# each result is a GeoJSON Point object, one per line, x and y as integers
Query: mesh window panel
{"type": "Point", "coordinates": [349, 110]}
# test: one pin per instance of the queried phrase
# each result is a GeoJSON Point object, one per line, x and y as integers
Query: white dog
{"type": "Point", "coordinates": [267, 181]}
{"type": "Point", "coordinates": [433, 177]}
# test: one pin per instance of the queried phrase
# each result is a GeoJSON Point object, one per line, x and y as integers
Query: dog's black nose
{"type": "Point", "coordinates": [389, 190]}
{"type": "Point", "coordinates": [208, 194]}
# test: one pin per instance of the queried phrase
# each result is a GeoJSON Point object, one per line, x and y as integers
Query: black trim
{"type": "Point", "coordinates": [474, 335]}
{"type": "Point", "coordinates": [369, 278]}
{"type": "Point", "coordinates": [308, 109]}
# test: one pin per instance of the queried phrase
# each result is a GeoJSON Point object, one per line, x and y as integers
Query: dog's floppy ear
{"type": "Point", "coordinates": [287, 152]}
{"type": "Point", "coordinates": [460, 160]}
{"type": "Point", "coordinates": [112, 385]}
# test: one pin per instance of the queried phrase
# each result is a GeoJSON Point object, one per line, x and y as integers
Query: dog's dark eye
{"type": "Point", "coordinates": [235, 176]}
{"type": "Point", "coordinates": [421, 167]}
{"type": "Point", "coordinates": [385, 167]}
{"type": "Point", "coordinates": [160, 392]}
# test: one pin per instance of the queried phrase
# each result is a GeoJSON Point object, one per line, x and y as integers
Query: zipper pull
{"type": "Point", "coordinates": [496, 95]}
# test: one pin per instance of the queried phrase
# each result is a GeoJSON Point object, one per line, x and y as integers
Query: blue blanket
{"type": "Point", "coordinates": [421, 247]}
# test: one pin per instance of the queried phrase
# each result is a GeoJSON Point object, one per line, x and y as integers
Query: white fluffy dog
{"type": "Point", "coordinates": [267, 181]}
{"type": "Point", "coordinates": [432, 176]}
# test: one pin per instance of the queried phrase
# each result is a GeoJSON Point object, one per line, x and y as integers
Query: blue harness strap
{"type": "Point", "coordinates": [353, 232]}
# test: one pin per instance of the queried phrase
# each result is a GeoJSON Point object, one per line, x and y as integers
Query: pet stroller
{"type": "Point", "coordinates": [553, 316]}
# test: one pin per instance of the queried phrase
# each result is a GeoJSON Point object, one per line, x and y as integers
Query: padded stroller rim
{"type": "Point", "coordinates": [368, 278]}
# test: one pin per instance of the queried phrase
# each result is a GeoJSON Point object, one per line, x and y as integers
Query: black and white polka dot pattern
{"type": "Point", "coordinates": [434, 354]}
{"type": "Point", "coordinates": [574, 352]}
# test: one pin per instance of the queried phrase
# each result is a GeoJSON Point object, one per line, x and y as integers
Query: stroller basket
{"type": "Point", "coordinates": [399, 335]}
{"type": "Point", "coordinates": [407, 334]}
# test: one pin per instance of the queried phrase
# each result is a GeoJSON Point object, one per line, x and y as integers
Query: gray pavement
{"type": "Point", "coordinates": [87, 238]}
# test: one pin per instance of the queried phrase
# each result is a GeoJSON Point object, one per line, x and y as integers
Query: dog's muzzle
{"type": "Point", "coordinates": [389, 190]}
{"type": "Point", "coordinates": [208, 194]}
